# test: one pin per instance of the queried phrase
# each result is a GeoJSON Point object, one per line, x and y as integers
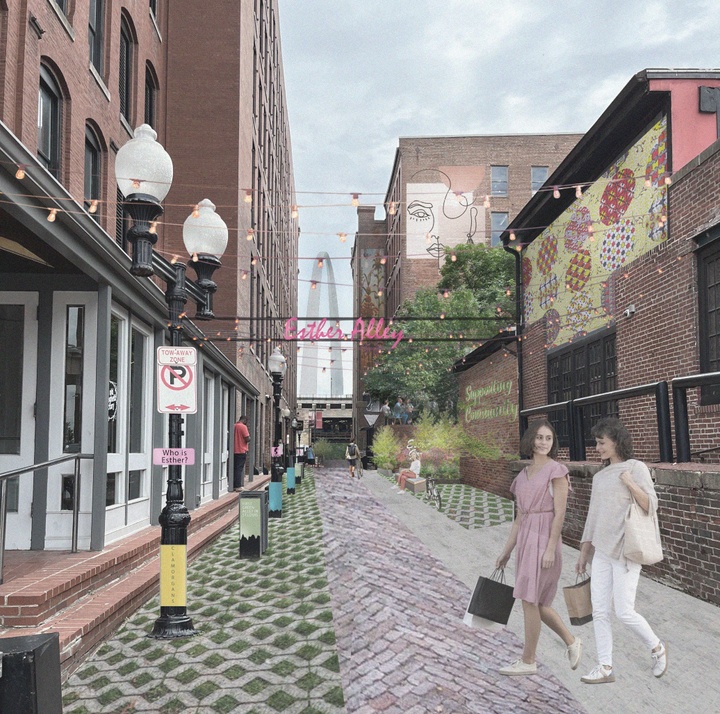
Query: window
{"type": "Point", "coordinates": [538, 176]}
{"type": "Point", "coordinates": [74, 355]}
{"type": "Point", "coordinates": [499, 180]}
{"type": "Point", "coordinates": [498, 223]}
{"type": "Point", "coordinates": [709, 314]}
{"type": "Point", "coordinates": [49, 107]}
{"type": "Point", "coordinates": [95, 33]}
{"type": "Point", "coordinates": [62, 5]}
{"type": "Point", "coordinates": [125, 70]}
{"type": "Point", "coordinates": [154, 11]}
{"type": "Point", "coordinates": [120, 219]}
{"type": "Point", "coordinates": [12, 327]}
{"type": "Point", "coordinates": [93, 156]}
{"type": "Point", "coordinates": [151, 88]}
{"type": "Point", "coordinates": [579, 371]}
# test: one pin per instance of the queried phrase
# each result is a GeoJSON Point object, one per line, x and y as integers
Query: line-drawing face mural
{"type": "Point", "coordinates": [570, 271]}
{"type": "Point", "coordinates": [439, 218]}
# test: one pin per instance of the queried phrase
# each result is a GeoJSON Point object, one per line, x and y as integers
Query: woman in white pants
{"type": "Point", "coordinates": [615, 579]}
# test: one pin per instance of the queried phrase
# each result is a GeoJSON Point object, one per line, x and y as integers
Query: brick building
{"type": "Point", "coordinates": [72, 317]}
{"type": "Point", "coordinates": [443, 191]}
{"type": "Point", "coordinates": [618, 294]}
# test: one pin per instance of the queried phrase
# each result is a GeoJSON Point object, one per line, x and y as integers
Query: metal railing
{"type": "Point", "coordinates": [4, 477]}
{"type": "Point", "coordinates": [574, 411]}
{"type": "Point", "coordinates": [680, 385]}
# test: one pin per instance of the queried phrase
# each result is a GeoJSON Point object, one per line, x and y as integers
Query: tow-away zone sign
{"type": "Point", "coordinates": [176, 380]}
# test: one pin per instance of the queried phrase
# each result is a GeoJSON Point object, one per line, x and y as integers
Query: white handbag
{"type": "Point", "coordinates": [642, 536]}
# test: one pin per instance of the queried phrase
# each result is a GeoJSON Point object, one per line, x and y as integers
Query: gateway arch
{"type": "Point", "coordinates": [312, 363]}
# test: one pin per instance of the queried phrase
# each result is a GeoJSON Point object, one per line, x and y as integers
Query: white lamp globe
{"type": "Point", "coordinates": [277, 362]}
{"type": "Point", "coordinates": [206, 233]}
{"type": "Point", "coordinates": [142, 166]}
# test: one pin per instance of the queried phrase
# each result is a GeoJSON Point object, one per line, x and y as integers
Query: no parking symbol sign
{"type": "Point", "coordinates": [176, 380]}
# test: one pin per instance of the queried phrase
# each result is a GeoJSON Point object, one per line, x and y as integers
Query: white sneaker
{"type": "Point", "coordinates": [518, 668]}
{"type": "Point", "coordinates": [600, 675]}
{"type": "Point", "coordinates": [574, 653]}
{"type": "Point", "coordinates": [660, 660]}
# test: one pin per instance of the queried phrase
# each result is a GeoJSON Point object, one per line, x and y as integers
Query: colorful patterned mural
{"type": "Point", "coordinates": [570, 270]}
{"type": "Point", "coordinates": [371, 275]}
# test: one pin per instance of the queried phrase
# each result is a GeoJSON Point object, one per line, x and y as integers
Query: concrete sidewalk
{"type": "Point", "coordinates": [690, 626]}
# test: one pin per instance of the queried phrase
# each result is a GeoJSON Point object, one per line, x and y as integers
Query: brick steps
{"type": "Point", "coordinates": [85, 596]}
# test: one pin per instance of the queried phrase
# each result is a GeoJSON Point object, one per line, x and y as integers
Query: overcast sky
{"type": "Point", "coordinates": [358, 75]}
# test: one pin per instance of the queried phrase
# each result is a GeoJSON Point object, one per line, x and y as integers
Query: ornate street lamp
{"type": "Point", "coordinates": [277, 364]}
{"type": "Point", "coordinates": [144, 174]}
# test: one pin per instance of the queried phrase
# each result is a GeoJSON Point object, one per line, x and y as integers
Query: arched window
{"type": "Point", "coordinates": [154, 10]}
{"type": "Point", "coordinates": [49, 122]}
{"type": "Point", "coordinates": [151, 90]}
{"type": "Point", "coordinates": [126, 70]}
{"type": "Point", "coordinates": [93, 170]}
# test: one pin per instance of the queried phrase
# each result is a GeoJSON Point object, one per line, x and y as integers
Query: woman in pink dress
{"type": "Point", "coordinates": [541, 492]}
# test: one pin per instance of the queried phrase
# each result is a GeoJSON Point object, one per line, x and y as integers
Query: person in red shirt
{"type": "Point", "coordinates": [242, 442]}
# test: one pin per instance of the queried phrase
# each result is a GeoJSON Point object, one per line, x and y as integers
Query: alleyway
{"type": "Point", "coordinates": [357, 607]}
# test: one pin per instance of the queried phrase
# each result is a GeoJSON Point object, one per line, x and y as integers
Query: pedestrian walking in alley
{"type": "Point", "coordinates": [614, 578]}
{"type": "Point", "coordinates": [241, 446]}
{"type": "Point", "coordinates": [310, 455]}
{"type": "Point", "coordinates": [541, 492]}
{"type": "Point", "coordinates": [398, 411]}
{"type": "Point", "coordinates": [351, 455]}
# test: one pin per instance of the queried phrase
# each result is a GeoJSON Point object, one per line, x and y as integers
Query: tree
{"type": "Point", "coordinates": [420, 369]}
{"type": "Point", "coordinates": [489, 273]}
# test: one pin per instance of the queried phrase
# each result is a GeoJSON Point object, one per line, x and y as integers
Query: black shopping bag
{"type": "Point", "coordinates": [492, 599]}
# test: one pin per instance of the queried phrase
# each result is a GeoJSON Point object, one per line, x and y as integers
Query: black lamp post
{"type": "Point", "coordinates": [276, 365]}
{"type": "Point", "coordinates": [144, 174]}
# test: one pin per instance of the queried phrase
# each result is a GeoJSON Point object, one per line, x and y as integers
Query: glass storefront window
{"type": "Point", "coordinates": [74, 352]}
{"type": "Point", "coordinates": [11, 376]}
{"type": "Point", "coordinates": [137, 391]}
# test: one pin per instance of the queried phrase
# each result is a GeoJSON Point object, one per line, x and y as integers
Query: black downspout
{"type": "Point", "coordinates": [516, 252]}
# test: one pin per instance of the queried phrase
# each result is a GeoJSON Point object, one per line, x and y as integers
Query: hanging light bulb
{"type": "Point", "coordinates": [253, 261]}
{"type": "Point", "coordinates": [52, 215]}
{"type": "Point", "coordinates": [486, 202]}
{"type": "Point", "coordinates": [442, 315]}
{"type": "Point", "coordinates": [383, 260]}
{"type": "Point", "coordinates": [556, 192]}
{"type": "Point", "coordinates": [250, 234]}
{"type": "Point", "coordinates": [648, 182]}
{"type": "Point", "coordinates": [248, 195]}
{"type": "Point", "coordinates": [453, 257]}
{"type": "Point", "coordinates": [578, 192]}
{"type": "Point", "coordinates": [320, 263]}
{"type": "Point", "coordinates": [668, 180]}
{"type": "Point", "coordinates": [153, 226]}
{"type": "Point", "coordinates": [93, 206]}
{"type": "Point", "coordinates": [20, 173]}
{"type": "Point", "coordinates": [294, 212]}
{"type": "Point", "coordinates": [196, 211]}
{"type": "Point", "coordinates": [380, 292]}
{"type": "Point", "coordinates": [512, 235]}
{"type": "Point", "coordinates": [313, 285]}
{"type": "Point", "coordinates": [355, 200]}
{"type": "Point", "coordinates": [446, 294]}
{"type": "Point", "coordinates": [392, 208]}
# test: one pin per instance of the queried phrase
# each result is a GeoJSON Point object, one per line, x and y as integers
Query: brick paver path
{"type": "Point", "coordinates": [398, 614]}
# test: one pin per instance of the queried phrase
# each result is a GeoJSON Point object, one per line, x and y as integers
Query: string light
{"type": "Point", "coordinates": [453, 257]}
{"type": "Point", "coordinates": [253, 261]}
{"type": "Point", "coordinates": [313, 285]}
{"type": "Point", "coordinates": [153, 226]}
{"type": "Point", "coordinates": [136, 183]}
{"type": "Point", "coordinates": [93, 205]}
{"type": "Point", "coordinates": [578, 192]}
{"type": "Point", "coordinates": [668, 180]}
{"type": "Point", "coordinates": [320, 263]}
{"type": "Point", "coordinates": [383, 260]}
{"type": "Point", "coordinates": [343, 237]}
{"type": "Point", "coordinates": [196, 211]}
{"type": "Point", "coordinates": [250, 234]}
{"type": "Point", "coordinates": [512, 235]}
{"type": "Point", "coordinates": [248, 196]}
{"type": "Point", "coordinates": [442, 315]}
{"type": "Point", "coordinates": [392, 208]}
{"type": "Point", "coordinates": [556, 192]}
{"type": "Point", "coordinates": [486, 202]}
{"type": "Point", "coordinates": [52, 215]}
{"type": "Point", "coordinates": [294, 212]}
{"type": "Point", "coordinates": [355, 200]}
{"type": "Point", "coordinates": [20, 173]}
{"type": "Point", "coordinates": [446, 294]}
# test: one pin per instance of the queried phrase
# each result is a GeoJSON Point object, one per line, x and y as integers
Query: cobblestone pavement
{"type": "Point", "coordinates": [266, 641]}
{"type": "Point", "coordinates": [469, 506]}
{"type": "Point", "coordinates": [398, 619]}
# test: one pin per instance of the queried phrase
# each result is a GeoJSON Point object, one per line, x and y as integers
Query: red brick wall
{"type": "Point", "coordinates": [487, 390]}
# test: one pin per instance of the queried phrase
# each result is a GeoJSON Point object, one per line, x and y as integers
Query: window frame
{"type": "Point", "coordinates": [710, 253]}
{"type": "Point", "coordinates": [572, 373]}
{"type": "Point", "coordinates": [125, 72]}
{"type": "Point", "coordinates": [49, 88]}
{"type": "Point", "coordinates": [96, 35]}
{"type": "Point", "coordinates": [93, 187]}
{"type": "Point", "coordinates": [496, 232]}
{"type": "Point", "coordinates": [151, 93]}
{"type": "Point", "coordinates": [535, 186]}
{"type": "Point", "coordinates": [496, 184]}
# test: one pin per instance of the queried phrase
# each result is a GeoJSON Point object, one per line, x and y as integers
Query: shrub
{"type": "Point", "coordinates": [386, 447]}
{"type": "Point", "coordinates": [329, 450]}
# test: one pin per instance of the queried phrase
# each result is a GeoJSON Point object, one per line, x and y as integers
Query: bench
{"type": "Point", "coordinates": [415, 485]}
